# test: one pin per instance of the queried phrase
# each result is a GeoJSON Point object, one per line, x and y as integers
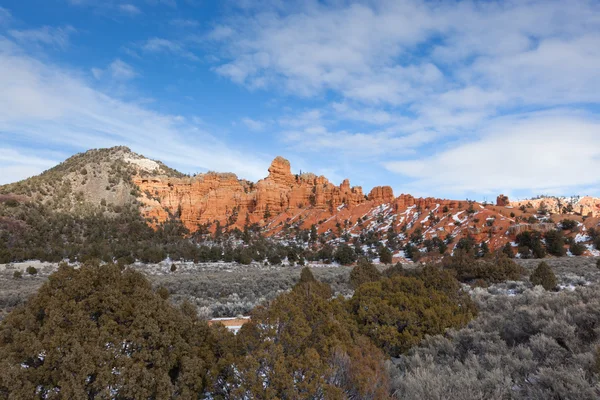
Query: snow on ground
{"type": "Point", "coordinates": [593, 251]}
{"type": "Point", "coordinates": [143, 163]}
{"type": "Point", "coordinates": [456, 216]}
{"type": "Point", "coordinates": [42, 267]}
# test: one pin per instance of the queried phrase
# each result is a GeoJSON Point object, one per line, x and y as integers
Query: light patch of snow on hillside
{"type": "Point", "coordinates": [581, 238]}
{"type": "Point", "coordinates": [593, 251]}
{"type": "Point", "coordinates": [143, 163]}
{"type": "Point", "coordinates": [455, 216]}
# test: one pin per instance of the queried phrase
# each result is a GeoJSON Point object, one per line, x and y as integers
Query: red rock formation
{"type": "Point", "coordinates": [502, 201]}
{"type": "Point", "coordinates": [585, 206]}
{"type": "Point", "coordinates": [224, 197]}
{"type": "Point", "coordinates": [283, 198]}
{"type": "Point", "coordinates": [382, 194]}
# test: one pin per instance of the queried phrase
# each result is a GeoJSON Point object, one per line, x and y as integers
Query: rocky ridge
{"type": "Point", "coordinates": [284, 203]}
{"type": "Point", "coordinates": [285, 206]}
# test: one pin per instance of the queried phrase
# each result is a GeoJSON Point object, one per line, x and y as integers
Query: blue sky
{"type": "Point", "coordinates": [452, 99]}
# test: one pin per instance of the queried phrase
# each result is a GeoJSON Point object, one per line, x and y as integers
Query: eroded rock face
{"type": "Point", "coordinates": [585, 206]}
{"type": "Point", "coordinates": [383, 194]}
{"type": "Point", "coordinates": [502, 201]}
{"type": "Point", "coordinates": [223, 197]}
{"type": "Point", "coordinates": [284, 199]}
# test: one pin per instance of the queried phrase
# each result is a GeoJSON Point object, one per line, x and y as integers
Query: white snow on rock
{"type": "Point", "coordinates": [143, 163]}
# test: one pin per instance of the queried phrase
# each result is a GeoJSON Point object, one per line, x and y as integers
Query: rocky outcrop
{"type": "Point", "coordinates": [223, 197]}
{"type": "Point", "coordinates": [382, 194]}
{"type": "Point", "coordinates": [585, 206]}
{"type": "Point", "coordinates": [283, 202]}
{"type": "Point", "coordinates": [405, 201]}
{"type": "Point", "coordinates": [502, 201]}
{"type": "Point", "coordinates": [541, 227]}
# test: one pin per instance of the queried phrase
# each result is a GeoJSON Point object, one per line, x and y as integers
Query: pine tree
{"type": "Point", "coordinates": [313, 233]}
{"type": "Point", "coordinates": [364, 272]}
{"type": "Point", "coordinates": [385, 255]}
{"type": "Point", "coordinates": [344, 254]}
{"type": "Point", "coordinates": [306, 276]}
{"type": "Point", "coordinates": [543, 276]}
{"type": "Point", "coordinates": [508, 250]}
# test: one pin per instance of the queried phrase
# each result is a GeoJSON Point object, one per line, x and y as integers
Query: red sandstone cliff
{"type": "Point", "coordinates": [212, 196]}
{"type": "Point", "coordinates": [283, 199]}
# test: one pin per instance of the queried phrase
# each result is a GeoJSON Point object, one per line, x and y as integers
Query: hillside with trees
{"type": "Point", "coordinates": [113, 204]}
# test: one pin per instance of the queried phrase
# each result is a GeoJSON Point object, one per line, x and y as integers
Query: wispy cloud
{"type": "Point", "coordinates": [53, 108]}
{"type": "Point", "coordinates": [253, 125]}
{"type": "Point", "coordinates": [404, 80]}
{"type": "Point", "coordinates": [129, 9]}
{"type": "Point", "coordinates": [46, 36]}
{"type": "Point", "coordinates": [549, 151]}
{"type": "Point", "coordinates": [5, 16]}
{"type": "Point", "coordinates": [117, 70]}
{"type": "Point", "coordinates": [161, 45]}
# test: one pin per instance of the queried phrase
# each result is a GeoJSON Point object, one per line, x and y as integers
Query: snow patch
{"type": "Point", "coordinates": [143, 163]}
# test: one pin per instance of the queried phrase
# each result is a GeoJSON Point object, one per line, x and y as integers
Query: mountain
{"type": "Point", "coordinates": [91, 178]}
{"type": "Point", "coordinates": [118, 185]}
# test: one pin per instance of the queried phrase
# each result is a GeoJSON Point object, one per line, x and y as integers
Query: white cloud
{"type": "Point", "coordinates": [117, 70]}
{"type": "Point", "coordinates": [359, 145]}
{"type": "Point", "coordinates": [46, 35]}
{"type": "Point", "coordinates": [5, 16]}
{"type": "Point", "coordinates": [129, 9]}
{"type": "Point", "coordinates": [515, 51]}
{"type": "Point", "coordinates": [51, 107]}
{"type": "Point", "coordinates": [557, 152]}
{"type": "Point", "coordinates": [98, 73]}
{"type": "Point", "coordinates": [121, 70]}
{"type": "Point", "coordinates": [221, 32]}
{"type": "Point", "coordinates": [405, 78]}
{"type": "Point", "coordinates": [253, 125]}
{"type": "Point", "coordinates": [161, 45]}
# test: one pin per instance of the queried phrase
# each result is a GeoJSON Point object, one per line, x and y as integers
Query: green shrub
{"type": "Point", "coordinates": [364, 272]}
{"type": "Point", "coordinates": [555, 243]}
{"type": "Point", "coordinates": [17, 275]}
{"type": "Point", "coordinates": [12, 203]}
{"type": "Point", "coordinates": [568, 224]}
{"type": "Point", "coordinates": [163, 292]}
{"type": "Point", "coordinates": [344, 254]}
{"type": "Point", "coordinates": [577, 249]}
{"type": "Point", "coordinates": [508, 250]}
{"type": "Point", "coordinates": [397, 313]}
{"type": "Point", "coordinates": [498, 268]}
{"type": "Point", "coordinates": [274, 259]}
{"type": "Point", "coordinates": [385, 255]}
{"type": "Point", "coordinates": [31, 270]}
{"type": "Point", "coordinates": [544, 277]}
{"type": "Point", "coordinates": [94, 321]}
{"type": "Point", "coordinates": [395, 269]}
